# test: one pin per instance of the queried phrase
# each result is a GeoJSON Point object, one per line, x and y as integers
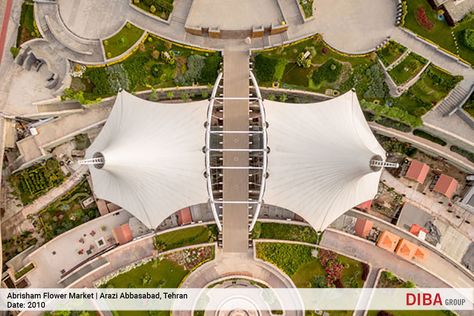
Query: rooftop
{"type": "Point", "coordinates": [417, 171]}
{"type": "Point", "coordinates": [446, 185]}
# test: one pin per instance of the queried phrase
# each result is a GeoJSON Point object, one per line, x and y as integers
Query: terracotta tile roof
{"type": "Point", "coordinates": [446, 185]}
{"type": "Point", "coordinates": [363, 227]}
{"type": "Point", "coordinates": [388, 241]}
{"type": "Point", "coordinates": [122, 234]}
{"type": "Point", "coordinates": [184, 216]}
{"type": "Point", "coordinates": [417, 171]}
{"type": "Point", "coordinates": [420, 254]}
{"type": "Point", "coordinates": [415, 229]}
{"type": "Point", "coordinates": [406, 249]}
{"type": "Point", "coordinates": [364, 206]}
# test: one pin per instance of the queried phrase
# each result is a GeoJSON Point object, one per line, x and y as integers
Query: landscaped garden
{"type": "Point", "coordinates": [307, 7]}
{"type": "Point", "coordinates": [408, 68]}
{"type": "Point", "coordinates": [434, 85]}
{"type": "Point", "coordinates": [264, 230]}
{"type": "Point", "coordinates": [157, 63]}
{"type": "Point", "coordinates": [122, 41]}
{"type": "Point", "coordinates": [30, 183]}
{"type": "Point", "coordinates": [27, 29]}
{"type": "Point", "coordinates": [15, 245]}
{"type": "Point", "coordinates": [66, 212]}
{"type": "Point", "coordinates": [389, 280]}
{"type": "Point", "coordinates": [469, 105]}
{"type": "Point", "coordinates": [163, 272]}
{"type": "Point", "coordinates": [326, 269]}
{"type": "Point", "coordinates": [186, 237]}
{"type": "Point", "coordinates": [390, 52]}
{"type": "Point", "coordinates": [311, 64]}
{"type": "Point", "coordinates": [160, 8]}
{"type": "Point", "coordinates": [465, 153]}
{"type": "Point", "coordinates": [430, 24]}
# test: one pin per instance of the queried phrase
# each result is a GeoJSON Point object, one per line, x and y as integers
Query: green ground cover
{"type": "Point", "coordinates": [390, 52]}
{"type": "Point", "coordinates": [119, 43]}
{"type": "Point", "coordinates": [186, 237]}
{"type": "Point", "coordinates": [31, 183]}
{"type": "Point", "coordinates": [66, 212]}
{"type": "Point", "coordinates": [307, 7]}
{"type": "Point", "coordinates": [15, 245]}
{"type": "Point", "coordinates": [27, 29]}
{"type": "Point", "coordinates": [423, 20]}
{"type": "Point", "coordinates": [280, 231]}
{"type": "Point", "coordinates": [24, 271]}
{"type": "Point", "coordinates": [160, 8]}
{"type": "Point", "coordinates": [429, 137]}
{"type": "Point", "coordinates": [331, 71]}
{"type": "Point", "coordinates": [165, 272]}
{"type": "Point", "coordinates": [157, 63]}
{"type": "Point", "coordinates": [432, 87]}
{"type": "Point", "coordinates": [407, 69]}
{"type": "Point", "coordinates": [328, 269]}
{"type": "Point", "coordinates": [465, 153]}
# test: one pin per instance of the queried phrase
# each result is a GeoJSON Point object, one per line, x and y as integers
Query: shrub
{"type": "Point", "coordinates": [467, 154]}
{"type": "Point", "coordinates": [155, 54]}
{"type": "Point", "coordinates": [265, 68]}
{"type": "Point", "coordinates": [377, 89]}
{"type": "Point", "coordinates": [152, 9]}
{"type": "Point", "coordinates": [156, 70]}
{"type": "Point", "coordinates": [329, 71]}
{"type": "Point", "coordinates": [195, 64]}
{"type": "Point", "coordinates": [385, 121]}
{"type": "Point", "coordinates": [429, 137]}
{"type": "Point", "coordinates": [211, 67]}
{"type": "Point", "coordinates": [365, 271]}
{"type": "Point", "coordinates": [468, 38]}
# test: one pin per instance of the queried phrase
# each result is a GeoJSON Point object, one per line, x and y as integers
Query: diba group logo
{"type": "Point", "coordinates": [432, 299]}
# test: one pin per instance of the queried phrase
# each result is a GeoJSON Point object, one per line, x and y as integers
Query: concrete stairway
{"type": "Point", "coordinates": [453, 100]}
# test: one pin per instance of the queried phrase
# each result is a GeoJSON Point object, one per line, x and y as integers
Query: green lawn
{"type": "Point", "coordinates": [469, 105]}
{"type": "Point", "coordinates": [167, 272]}
{"type": "Point", "coordinates": [280, 231]}
{"type": "Point", "coordinates": [432, 87]}
{"type": "Point", "coordinates": [119, 43]}
{"type": "Point", "coordinates": [27, 29]}
{"type": "Point", "coordinates": [408, 68]}
{"type": "Point", "coordinates": [31, 183]}
{"type": "Point", "coordinates": [147, 67]}
{"type": "Point", "coordinates": [66, 212]}
{"type": "Point", "coordinates": [390, 52]}
{"type": "Point", "coordinates": [439, 32]}
{"type": "Point", "coordinates": [160, 8]}
{"type": "Point", "coordinates": [186, 237]}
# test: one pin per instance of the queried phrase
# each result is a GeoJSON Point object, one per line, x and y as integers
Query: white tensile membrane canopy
{"type": "Point", "coordinates": [319, 161]}
{"type": "Point", "coordinates": [154, 164]}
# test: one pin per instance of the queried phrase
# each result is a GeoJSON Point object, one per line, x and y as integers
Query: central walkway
{"type": "Point", "coordinates": [236, 118]}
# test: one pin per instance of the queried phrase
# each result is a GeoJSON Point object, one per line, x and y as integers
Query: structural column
{"type": "Point", "coordinates": [236, 118]}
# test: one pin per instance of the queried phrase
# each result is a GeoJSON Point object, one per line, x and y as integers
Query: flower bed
{"type": "Point", "coordinates": [306, 7]}
{"type": "Point", "coordinates": [160, 8]}
{"type": "Point", "coordinates": [66, 212]}
{"type": "Point", "coordinates": [328, 269]}
{"type": "Point", "coordinates": [24, 271]}
{"type": "Point", "coordinates": [422, 19]}
{"type": "Point", "coordinates": [18, 244]}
